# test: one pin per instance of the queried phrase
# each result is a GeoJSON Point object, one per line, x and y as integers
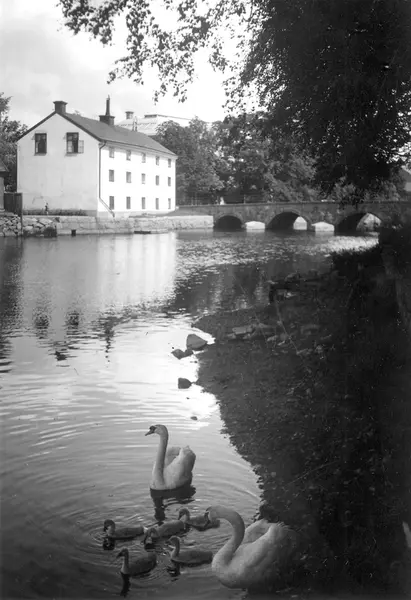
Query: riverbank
{"type": "Point", "coordinates": [320, 408]}
{"type": "Point", "coordinates": [53, 226]}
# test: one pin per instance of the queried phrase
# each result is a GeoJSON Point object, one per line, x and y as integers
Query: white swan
{"type": "Point", "coordinates": [173, 467]}
{"type": "Point", "coordinates": [254, 556]}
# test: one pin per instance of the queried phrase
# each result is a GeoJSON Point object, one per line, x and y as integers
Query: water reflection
{"type": "Point", "coordinates": [165, 498]}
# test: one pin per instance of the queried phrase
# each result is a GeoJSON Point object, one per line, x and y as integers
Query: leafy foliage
{"type": "Point", "coordinates": [337, 74]}
{"type": "Point", "coordinates": [259, 160]}
{"type": "Point", "coordinates": [10, 132]}
{"type": "Point", "coordinates": [196, 174]}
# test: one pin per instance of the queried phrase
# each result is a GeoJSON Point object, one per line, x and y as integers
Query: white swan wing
{"type": "Point", "coordinates": [179, 471]}
{"type": "Point", "coordinates": [254, 531]}
{"type": "Point", "coordinates": [171, 454]}
{"type": "Point", "coordinates": [259, 561]}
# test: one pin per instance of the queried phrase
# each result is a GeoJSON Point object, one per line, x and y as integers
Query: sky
{"type": "Point", "coordinates": [42, 61]}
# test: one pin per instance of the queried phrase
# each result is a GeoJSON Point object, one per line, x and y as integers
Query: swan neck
{"type": "Point", "coordinates": [125, 567]}
{"type": "Point", "coordinates": [161, 454]}
{"type": "Point", "coordinates": [227, 551]}
{"type": "Point", "coordinates": [176, 550]}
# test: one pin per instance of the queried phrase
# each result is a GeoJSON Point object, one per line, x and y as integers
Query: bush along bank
{"type": "Point", "coordinates": [314, 391]}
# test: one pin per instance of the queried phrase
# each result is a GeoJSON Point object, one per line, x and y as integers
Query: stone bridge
{"type": "Point", "coordinates": [282, 215]}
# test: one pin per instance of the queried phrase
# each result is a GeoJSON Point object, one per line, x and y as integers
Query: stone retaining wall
{"type": "Point", "coordinates": [42, 225]}
{"type": "Point", "coordinates": [10, 225]}
{"type": "Point", "coordinates": [175, 222]}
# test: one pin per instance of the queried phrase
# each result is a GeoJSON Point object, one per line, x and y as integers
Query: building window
{"type": "Point", "coordinates": [74, 146]}
{"type": "Point", "coordinates": [111, 202]}
{"type": "Point", "coordinates": [169, 162]}
{"type": "Point", "coordinates": [143, 203]}
{"type": "Point", "coordinates": [143, 177]}
{"type": "Point", "coordinates": [111, 152]}
{"type": "Point", "coordinates": [128, 202]}
{"type": "Point", "coordinates": [128, 154]}
{"type": "Point", "coordinates": [169, 181]}
{"type": "Point", "coordinates": [128, 177]}
{"type": "Point", "coordinates": [111, 175]}
{"type": "Point", "coordinates": [157, 203]}
{"type": "Point", "coordinates": [169, 203]}
{"type": "Point", "coordinates": [157, 179]}
{"type": "Point", "coordinates": [143, 157]}
{"type": "Point", "coordinates": [157, 160]}
{"type": "Point", "coordinates": [40, 143]}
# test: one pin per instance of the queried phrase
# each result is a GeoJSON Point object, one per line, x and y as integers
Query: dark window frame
{"type": "Point", "coordinates": [72, 142]}
{"type": "Point", "coordinates": [128, 202]}
{"type": "Point", "coordinates": [111, 202]}
{"type": "Point", "coordinates": [110, 175]}
{"type": "Point", "coordinates": [39, 140]}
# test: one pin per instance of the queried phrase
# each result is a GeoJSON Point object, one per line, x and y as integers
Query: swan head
{"type": "Point", "coordinates": [210, 515]}
{"type": "Point", "coordinates": [183, 512]}
{"type": "Point", "coordinates": [159, 429]}
{"type": "Point", "coordinates": [174, 541]}
{"type": "Point", "coordinates": [123, 552]}
{"type": "Point", "coordinates": [109, 524]}
{"type": "Point", "coordinates": [150, 536]}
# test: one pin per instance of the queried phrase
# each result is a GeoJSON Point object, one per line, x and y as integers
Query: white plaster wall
{"type": "Point", "coordinates": [63, 181]}
{"type": "Point", "coordinates": [120, 189]}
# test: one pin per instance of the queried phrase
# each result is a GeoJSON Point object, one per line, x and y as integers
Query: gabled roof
{"type": "Point", "coordinates": [114, 133]}
{"type": "Point", "coordinates": [109, 133]}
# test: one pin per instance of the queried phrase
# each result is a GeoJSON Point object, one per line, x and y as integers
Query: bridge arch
{"type": "Point", "coordinates": [229, 221]}
{"type": "Point", "coordinates": [349, 222]}
{"type": "Point", "coordinates": [285, 220]}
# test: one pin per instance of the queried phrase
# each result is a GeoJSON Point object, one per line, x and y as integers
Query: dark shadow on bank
{"type": "Point", "coordinates": [329, 436]}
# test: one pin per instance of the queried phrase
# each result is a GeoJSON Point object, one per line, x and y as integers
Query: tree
{"type": "Point", "coordinates": [10, 132]}
{"type": "Point", "coordinates": [263, 161]}
{"type": "Point", "coordinates": [194, 145]}
{"type": "Point", "coordinates": [337, 74]}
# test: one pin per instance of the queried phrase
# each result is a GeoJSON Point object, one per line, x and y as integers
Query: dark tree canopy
{"type": "Point", "coordinates": [334, 73]}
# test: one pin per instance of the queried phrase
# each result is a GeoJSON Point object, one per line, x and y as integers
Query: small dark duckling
{"type": "Point", "coordinates": [152, 534]}
{"type": "Point", "coordinates": [138, 566]}
{"type": "Point", "coordinates": [189, 556]}
{"type": "Point", "coordinates": [123, 533]}
{"type": "Point", "coordinates": [199, 522]}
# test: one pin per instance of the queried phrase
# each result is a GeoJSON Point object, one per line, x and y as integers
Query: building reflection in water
{"type": "Point", "coordinates": [68, 288]}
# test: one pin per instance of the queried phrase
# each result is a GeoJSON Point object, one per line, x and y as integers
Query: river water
{"type": "Point", "coordinates": [87, 326]}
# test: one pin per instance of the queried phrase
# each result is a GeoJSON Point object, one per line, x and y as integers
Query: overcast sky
{"type": "Point", "coordinates": [41, 61]}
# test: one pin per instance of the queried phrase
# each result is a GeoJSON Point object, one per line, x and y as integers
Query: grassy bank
{"type": "Point", "coordinates": [321, 414]}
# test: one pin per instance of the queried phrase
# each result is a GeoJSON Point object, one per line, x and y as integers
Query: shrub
{"type": "Point", "coordinates": [346, 262]}
{"type": "Point", "coordinates": [398, 239]}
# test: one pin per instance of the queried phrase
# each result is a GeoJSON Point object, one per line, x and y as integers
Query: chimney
{"type": "Point", "coordinates": [107, 118]}
{"type": "Point", "coordinates": [60, 107]}
{"type": "Point", "coordinates": [129, 114]}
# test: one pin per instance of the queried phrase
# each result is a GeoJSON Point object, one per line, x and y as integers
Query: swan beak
{"type": "Point", "coordinates": [149, 433]}
{"type": "Point", "coordinates": [119, 555]}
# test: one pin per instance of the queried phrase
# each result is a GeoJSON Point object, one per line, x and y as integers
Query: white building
{"type": "Point", "coordinates": [149, 123]}
{"type": "Point", "coordinates": [71, 162]}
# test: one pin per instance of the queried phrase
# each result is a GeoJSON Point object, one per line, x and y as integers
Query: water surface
{"type": "Point", "coordinates": [87, 326]}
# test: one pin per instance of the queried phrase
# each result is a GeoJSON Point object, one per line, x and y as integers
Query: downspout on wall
{"type": "Point", "coordinates": [100, 147]}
